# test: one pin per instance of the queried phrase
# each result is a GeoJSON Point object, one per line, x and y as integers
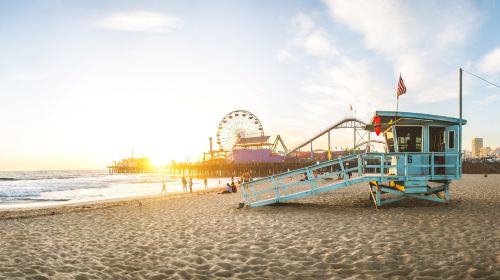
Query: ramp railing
{"type": "Point", "coordinates": [353, 169]}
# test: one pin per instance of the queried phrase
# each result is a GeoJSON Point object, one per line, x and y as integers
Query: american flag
{"type": "Point", "coordinates": [401, 87]}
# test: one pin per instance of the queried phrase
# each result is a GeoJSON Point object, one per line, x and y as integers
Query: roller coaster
{"type": "Point", "coordinates": [361, 137]}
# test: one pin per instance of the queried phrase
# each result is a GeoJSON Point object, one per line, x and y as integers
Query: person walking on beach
{"type": "Point", "coordinates": [205, 182]}
{"type": "Point", "coordinates": [233, 187]}
{"type": "Point", "coordinates": [163, 188]}
{"type": "Point", "coordinates": [246, 177]}
{"type": "Point", "coordinates": [184, 184]}
{"type": "Point", "coordinates": [190, 184]}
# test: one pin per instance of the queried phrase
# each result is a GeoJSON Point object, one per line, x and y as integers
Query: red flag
{"type": "Point", "coordinates": [376, 124]}
{"type": "Point", "coordinates": [401, 87]}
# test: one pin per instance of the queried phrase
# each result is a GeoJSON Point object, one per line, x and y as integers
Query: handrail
{"type": "Point", "coordinates": [371, 155]}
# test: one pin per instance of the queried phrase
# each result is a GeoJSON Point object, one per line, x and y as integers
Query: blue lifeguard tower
{"type": "Point", "coordinates": [422, 158]}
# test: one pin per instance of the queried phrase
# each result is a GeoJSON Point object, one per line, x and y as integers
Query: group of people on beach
{"type": "Point", "coordinates": [185, 183]}
{"type": "Point", "coordinates": [229, 188]}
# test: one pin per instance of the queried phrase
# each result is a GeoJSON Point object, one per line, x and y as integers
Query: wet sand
{"type": "Point", "coordinates": [203, 236]}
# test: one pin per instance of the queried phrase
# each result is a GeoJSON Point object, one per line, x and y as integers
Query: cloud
{"type": "Point", "coordinates": [421, 39]}
{"type": "Point", "coordinates": [28, 76]}
{"type": "Point", "coordinates": [488, 100]}
{"type": "Point", "coordinates": [490, 63]}
{"type": "Point", "coordinates": [337, 80]}
{"type": "Point", "coordinates": [309, 38]}
{"type": "Point", "coordinates": [139, 21]}
{"type": "Point", "coordinates": [303, 24]}
{"type": "Point", "coordinates": [349, 82]}
{"type": "Point", "coordinates": [392, 27]}
{"type": "Point", "coordinates": [493, 97]}
{"type": "Point", "coordinates": [284, 55]}
{"type": "Point", "coordinates": [356, 58]}
{"type": "Point", "coordinates": [317, 44]}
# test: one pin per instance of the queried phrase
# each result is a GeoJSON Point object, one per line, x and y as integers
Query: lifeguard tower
{"type": "Point", "coordinates": [422, 158]}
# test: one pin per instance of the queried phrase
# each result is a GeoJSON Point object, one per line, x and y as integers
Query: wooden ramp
{"type": "Point", "coordinates": [383, 171]}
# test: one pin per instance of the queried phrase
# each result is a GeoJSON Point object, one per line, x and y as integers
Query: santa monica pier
{"type": "Point", "coordinates": [241, 143]}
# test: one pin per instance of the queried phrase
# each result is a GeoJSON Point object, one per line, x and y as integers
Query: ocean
{"type": "Point", "coordinates": [21, 189]}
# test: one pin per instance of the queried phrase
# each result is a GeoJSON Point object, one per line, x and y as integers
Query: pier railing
{"type": "Point", "coordinates": [345, 171]}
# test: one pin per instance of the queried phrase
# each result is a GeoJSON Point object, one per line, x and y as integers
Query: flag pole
{"type": "Point", "coordinates": [397, 104]}
{"type": "Point", "coordinates": [460, 113]}
{"type": "Point", "coordinates": [397, 109]}
{"type": "Point", "coordinates": [397, 99]}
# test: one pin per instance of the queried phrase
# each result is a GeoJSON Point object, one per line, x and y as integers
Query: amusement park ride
{"type": "Point", "coordinates": [240, 137]}
{"type": "Point", "coordinates": [423, 156]}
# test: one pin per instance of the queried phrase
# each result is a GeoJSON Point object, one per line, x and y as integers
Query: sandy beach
{"type": "Point", "coordinates": [203, 236]}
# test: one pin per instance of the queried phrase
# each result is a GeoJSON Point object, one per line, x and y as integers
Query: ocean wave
{"type": "Point", "coordinates": [8, 179]}
{"type": "Point", "coordinates": [18, 193]}
{"type": "Point", "coordinates": [38, 178]}
{"type": "Point", "coordinates": [30, 199]}
{"type": "Point", "coordinates": [46, 199]}
{"type": "Point", "coordinates": [48, 175]}
{"type": "Point", "coordinates": [74, 185]}
{"type": "Point", "coordinates": [22, 179]}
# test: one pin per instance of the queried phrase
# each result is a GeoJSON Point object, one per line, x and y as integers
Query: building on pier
{"type": "Point", "coordinates": [132, 165]}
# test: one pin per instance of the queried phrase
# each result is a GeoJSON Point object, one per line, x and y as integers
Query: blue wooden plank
{"type": "Point", "coordinates": [416, 190]}
{"type": "Point", "coordinates": [263, 202]}
{"type": "Point", "coordinates": [414, 183]}
{"type": "Point", "coordinates": [391, 190]}
{"type": "Point", "coordinates": [425, 197]}
{"type": "Point", "coordinates": [263, 191]}
{"type": "Point", "coordinates": [342, 184]}
{"type": "Point", "coordinates": [285, 187]}
{"type": "Point", "coordinates": [296, 195]}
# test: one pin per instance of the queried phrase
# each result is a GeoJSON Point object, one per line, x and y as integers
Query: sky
{"type": "Point", "coordinates": [83, 83]}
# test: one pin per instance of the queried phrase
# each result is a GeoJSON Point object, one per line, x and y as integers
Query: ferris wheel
{"type": "Point", "coordinates": [235, 125]}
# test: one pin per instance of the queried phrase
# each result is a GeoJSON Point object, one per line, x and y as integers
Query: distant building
{"type": "Point", "coordinates": [254, 149]}
{"type": "Point", "coordinates": [477, 144]}
{"type": "Point", "coordinates": [467, 154]}
{"type": "Point", "coordinates": [485, 152]}
{"type": "Point", "coordinates": [255, 156]}
{"type": "Point", "coordinates": [132, 165]}
{"type": "Point", "coordinates": [497, 152]}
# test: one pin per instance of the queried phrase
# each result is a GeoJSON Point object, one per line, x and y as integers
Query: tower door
{"type": "Point", "coordinates": [451, 147]}
{"type": "Point", "coordinates": [436, 144]}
